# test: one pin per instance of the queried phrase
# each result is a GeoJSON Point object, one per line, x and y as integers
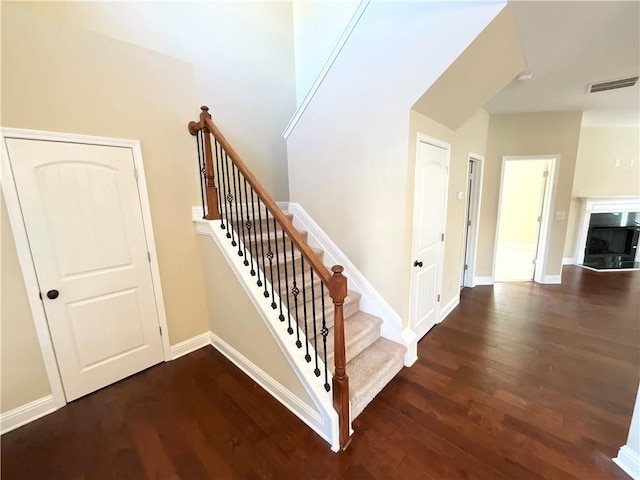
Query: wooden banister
{"type": "Point", "coordinates": [334, 281]}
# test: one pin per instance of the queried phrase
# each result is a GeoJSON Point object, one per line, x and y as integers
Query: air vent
{"type": "Point", "coordinates": [613, 84]}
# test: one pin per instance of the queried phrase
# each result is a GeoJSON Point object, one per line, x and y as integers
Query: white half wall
{"type": "Point", "coordinates": [629, 455]}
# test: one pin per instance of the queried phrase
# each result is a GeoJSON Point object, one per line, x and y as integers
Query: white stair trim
{"type": "Point", "coordinates": [371, 301]}
{"type": "Point", "coordinates": [325, 69]}
{"type": "Point", "coordinates": [325, 423]}
{"type": "Point", "coordinates": [190, 345]}
{"type": "Point", "coordinates": [26, 413]}
{"type": "Point", "coordinates": [629, 461]}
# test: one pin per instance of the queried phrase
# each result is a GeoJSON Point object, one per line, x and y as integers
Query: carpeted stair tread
{"type": "Point", "coordinates": [370, 372]}
{"type": "Point", "coordinates": [360, 330]}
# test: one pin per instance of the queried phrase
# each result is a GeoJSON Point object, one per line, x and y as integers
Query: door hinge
{"type": "Point", "coordinates": [135, 173]}
{"type": "Point", "coordinates": [545, 174]}
{"type": "Point", "coordinates": [442, 237]}
{"type": "Point", "coordinates": [469, 223]}
{"type": "Point", "coordinates": [438, 297]}
{"type": "Point", "coordinates": [149, 256]}
{"type": "Point", "coordinates": [539, 219]}
{"type": "Point", "coordinates": [160, 328]}
{"type": "Point", "coordinates": [466, 267]}
{"type": "Point", "coordinates": [534, 261]}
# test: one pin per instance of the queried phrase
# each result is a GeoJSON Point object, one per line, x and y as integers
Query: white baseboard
{"type": "Point", "coordinates": [299, 408]}
{"type": "Point", "coordinates": [370, 301]}
{"type": "Point", "coordinates": [482, 281]}
{"type": "Point", "coordinates": [449, 307]}
{"type": "Point", "coordinates": [629, 461]}
{"type": "Point", "coordinates": [26, 413]}
{"type": "Point", "coordinates": [552, 279]}
{"type": "Point", "coordinates": [190, 345]}
{"type": "Point", "coordinates": [568, 261]}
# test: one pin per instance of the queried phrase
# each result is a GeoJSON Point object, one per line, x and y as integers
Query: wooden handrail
{"type": "Point", "coordinates": [297, 239]}
{"type": "Point", "coordinates": [334, 281]}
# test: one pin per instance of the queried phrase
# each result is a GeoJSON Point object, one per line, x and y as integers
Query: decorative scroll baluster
{"type": "Point", "coordinates": [286, 283]}
{"type": "Point", "coordinates": [275, 231]}
{"type": "Point", "coordinates": [264, 268]}
{"type": "Point", "coordinates": [221, 191]}
{"type": "Point", "coordinates": [201, 171]}
{"type": "Point", "coordinates": [315, 329]}
{"type": "Point", "coordinates": [235, 194]}
{"type": "Point", "coordinates": [232, 227]}
{"type": "Point", "coordinates": [295, 292]}
{"type": "Point", "coordinates": [324, 331]}
{"type": "Point", "coordinates": [255, 237]}
{"type": "Point", "coordinates": [307, 357]}
{"type": "Point", "coordinates": [269, 257]}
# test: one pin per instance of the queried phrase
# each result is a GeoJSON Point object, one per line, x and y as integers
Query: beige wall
{"type": "Point", "coordinates": [471, 137]}
{"type": "Point", "coordinates": [475, 76]}
{"type": "Point", "coordinates": [528, 134]}
{"type": "Point", "coordinates": [22, 374]}
{"type": "Point", "coordinates": [61, 78]}
{"type": "Point", "coordinates": [596, 173]}
{"type": "Point", "coordinates": [233, 318]}
{"type": "Point", "coordinates": [242, 55]}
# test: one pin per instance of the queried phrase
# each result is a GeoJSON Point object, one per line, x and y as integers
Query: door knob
{"type": "Point", "coordinates": [417, 264]}
{"type": "Point", "coordinates": [53, 294]}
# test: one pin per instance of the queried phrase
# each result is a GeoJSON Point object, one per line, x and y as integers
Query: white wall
{"type": "Point", "coordinates": [348, 155]}
{"type": "Point", "coordinates": [317, 26]}
{"type": "Point", "coordinates": [242, 57]}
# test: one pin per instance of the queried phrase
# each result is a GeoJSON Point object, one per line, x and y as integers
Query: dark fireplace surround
{"type": "Point", "coordinates": [612, 240]}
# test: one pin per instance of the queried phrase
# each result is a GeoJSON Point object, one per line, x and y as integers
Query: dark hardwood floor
{"type": "Point", "coordinates": [521, 381]}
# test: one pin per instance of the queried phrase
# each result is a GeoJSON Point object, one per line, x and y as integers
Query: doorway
{"type": "Point", "coordinates": [526, 192]}
{"type": "Point", "coordinates": [429, 215]}
{"type": "Point", "coordinates": [472, 219]}
{"type": "Point", "coordinates": [81, 221]}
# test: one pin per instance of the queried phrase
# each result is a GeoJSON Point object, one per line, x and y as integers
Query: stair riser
{"type": "Point", "coordinates": [355, 348]}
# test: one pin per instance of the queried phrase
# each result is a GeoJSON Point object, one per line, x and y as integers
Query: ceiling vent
{"type": "Point", "coordinates": [613, 84]}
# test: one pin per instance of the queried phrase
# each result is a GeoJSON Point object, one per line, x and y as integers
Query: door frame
{"type": "Point", "coordinates": [24, 251]}
{"type": "Point", "coordinates": [544, 236]}
{"type": "Point", "coordinates": [421, 137]}
{"type": "Point", "coordinates": [471, 247]}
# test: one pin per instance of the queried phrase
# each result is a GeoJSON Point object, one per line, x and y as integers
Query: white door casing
{"type": "Point", "coordinates": [472, 219]}
{"type": "Point", "coordinates": [83, 217]}
{"type": "Point", "coordinates": [429, 214]}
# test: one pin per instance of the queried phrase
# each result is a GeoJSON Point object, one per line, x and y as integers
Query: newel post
{"type": "Point", "coordinates": [213, 211]}
{"type": "Point", "coordinates": [338, 292]}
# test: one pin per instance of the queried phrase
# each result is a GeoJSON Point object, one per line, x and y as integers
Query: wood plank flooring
{"type": "Point", "coordinates": [521, 381]}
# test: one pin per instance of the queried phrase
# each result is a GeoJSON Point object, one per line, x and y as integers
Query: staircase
{"type": "Point", "coordinates": [371, 360]}
{"type": "Point", "coordinates": [335, 348]}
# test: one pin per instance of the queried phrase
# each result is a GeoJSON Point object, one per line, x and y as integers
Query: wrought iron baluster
{"type": "Point", "coordinates": [307, 357]}
{"type": "Point", "coordinates": [232, 234]}
{"type": "Point", "coordinates": [201, 170]}
{"type": "Point", "coordinates": [295, 292]}
{"type": "Point", "coordinates": [251, 223]}
{"type": "Point", "coordinates": [324, 332]}
{"type": "Point", "coordinates": [286, 282]}
{"type": "Point", "coordinates": [239, 202]}
{"type": "Point", "coordinates": [222, 191]}
{"type": "Point", "coordinates": [221, 204]}
{"type": "Point", "coordinates": [235, 194]}
{"type": "Point", "coordinates": [243, 201]}
{"type": "Point", "coordinates": [270, 258]}
{"type": "Point", "coordinates": [275, 231]}
{"type": "Point", "coordinates": [315, 329]}
{"type": "Point", "coordinates": [264, 268]}
{"type": "Point", "coordinates": [255, 236]}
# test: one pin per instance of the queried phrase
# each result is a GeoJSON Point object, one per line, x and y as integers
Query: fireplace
{"type": "Point", "coordinates": [610, 232]}
{"type": "Point", "coordinates": [612, 240]}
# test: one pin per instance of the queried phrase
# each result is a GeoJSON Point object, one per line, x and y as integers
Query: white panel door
{"type": "Point", "coordinates": [430, 197]}
{"type": "Point", "coordinates": [84, 222]}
